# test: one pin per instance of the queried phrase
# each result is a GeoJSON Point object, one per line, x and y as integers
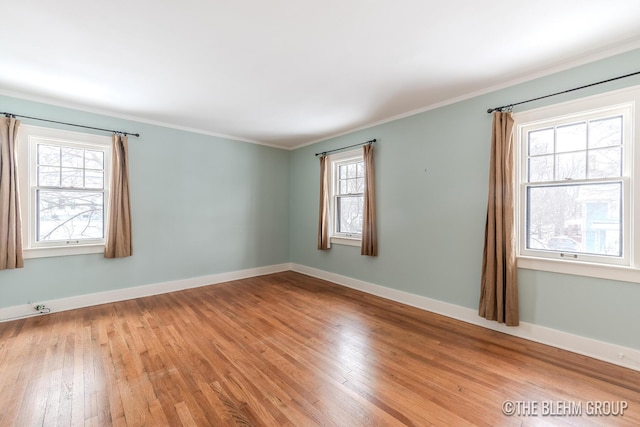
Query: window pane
{"type": "Point", "coordinates": [352, 186]}
{"type": "Point", "coordinates": [349, 214]}
{"type": "Point", "coordinates": [571, 166]}
{"type": "Point", "coordinates": [351, 170]}
{"type": "Point", "coordinates": [72, 178]}
{"type": "Point", "coordinates": [605, 132]}
{"type": "Point", "coordinates": [342, 171]}
{"type": "Point", "coordinates": [48, 155]}
{"type": "Point", "coordinates": [69, 215]}
{"type": "Point", "coordinates": [48, 176]}
{"type": "Point", "coordinates": [605, 162]}
{"type": "Point", "coordinates": [360, 170]}
{"type": "Point", "coordinates": [571, 137]}
{"type": "Point", "coordinates": [93, 159]}
{"type": "Point", "coordinates": [541, 142]}
{"type": "Point", "coordinates": [342, 186]}
{"type": "Point", "coordinates": [541, 168]}
{"type": "Point", "coordinates": [581, 218]}
{"type": "Point", "coordinates": [94, 179]}
{"type": "Point", "coordinates": [72, 157]}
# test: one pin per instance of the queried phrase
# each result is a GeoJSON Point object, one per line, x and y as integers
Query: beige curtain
{"type": "Point", "coordinates": [323, 219]}
{"type": "Point", "coordinates": [119, 243]}
{"type": "Point", "coordinates": [369, 236]}
{"type": "Point", "coordinates": [10, 223]}
{"type": "Point", "coordinates": [499, 289]}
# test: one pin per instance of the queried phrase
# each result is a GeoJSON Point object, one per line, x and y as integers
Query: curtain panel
{"type": "Point", "coordinates": [119, 239]}
{"type": "Point", "coordinates": [323, 216]}
{"type": "Point", "coordinates": [499, 283]}
{"type": "Point", "coordinates": [10, 222]}
{"type": "Point", "coordinates": [369, 236]}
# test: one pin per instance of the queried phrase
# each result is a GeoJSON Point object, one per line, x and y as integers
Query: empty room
{"type": "Point", "coordinates": [295, 213]}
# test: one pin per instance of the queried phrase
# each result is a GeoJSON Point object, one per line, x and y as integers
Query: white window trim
{"type": "Point", "coordinates": [340, 238]}
{"type": "Point", "coordinates": [630, 272]}
{"type": "Point", "coordinates": [348, 241]}
{"type": "Point", "coordinates": [26, 153]}
{"type": "Point", "coordinates": [625, 110]}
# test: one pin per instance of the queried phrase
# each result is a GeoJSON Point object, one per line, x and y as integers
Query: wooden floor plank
{"type": "Point", "coordinates": [287, 350]}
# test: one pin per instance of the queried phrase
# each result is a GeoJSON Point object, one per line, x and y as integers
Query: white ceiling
{"type": "Point", "coordinates": [291, 72]}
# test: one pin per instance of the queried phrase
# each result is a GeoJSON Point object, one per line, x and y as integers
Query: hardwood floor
{"type": "Point", "coordinates": [287, 349]}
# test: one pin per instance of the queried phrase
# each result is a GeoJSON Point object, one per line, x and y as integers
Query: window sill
{"type": "Point", "coordinates": [577, 268]}
{"type": "Point", "coordinates": [346, 241]}
{"type": "Point", "coordinates": [55, 251]}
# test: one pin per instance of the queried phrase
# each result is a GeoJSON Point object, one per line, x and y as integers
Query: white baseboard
{"type": "Point", "coordinates": [575, 343]}
{"type": "Point", "coordinates": [70, 303]}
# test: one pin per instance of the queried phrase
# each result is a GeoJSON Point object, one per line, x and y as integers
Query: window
{"type": "Point", "coordinates": [347, 197]}
{"type": "Point", "coordinates": [64, 191]}
{"type": "Point", "coordinates": [575, 180]}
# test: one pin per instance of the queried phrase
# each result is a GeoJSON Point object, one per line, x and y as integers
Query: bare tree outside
{"type": "Point", "coordinates": [350, 197]}
{"type": "Point", "coordinates": [69, 195]}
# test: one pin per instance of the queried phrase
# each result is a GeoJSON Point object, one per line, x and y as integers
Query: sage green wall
{"type": "Point", "coordinates": [432, 178]}
{"type": "Point", "coordinates": [201, 205]}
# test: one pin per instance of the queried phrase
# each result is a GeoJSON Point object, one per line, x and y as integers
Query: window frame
{"type": "Point", "coordinates": [611, 103]}
{"type": "Point", "coordinates": [29, 136]}
{"type": "Point", "coordinates": [335, 160]}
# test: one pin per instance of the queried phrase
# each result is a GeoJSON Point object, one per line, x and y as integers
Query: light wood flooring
{"type": "Point", "coordinates": [288, 350]}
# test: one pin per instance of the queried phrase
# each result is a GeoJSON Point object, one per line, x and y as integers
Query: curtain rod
{"type": "Point", "coordinates": [71, 124]}
{"type": "Point", "coordinates": [324, 153]}
{"type": "Point", "coordinates": [491, 110]}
